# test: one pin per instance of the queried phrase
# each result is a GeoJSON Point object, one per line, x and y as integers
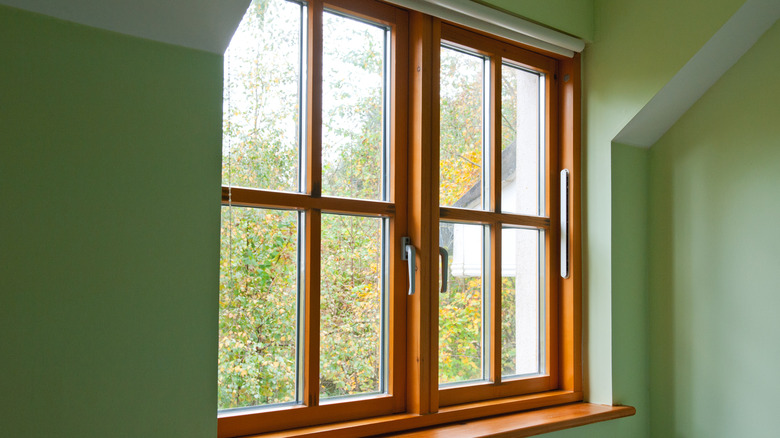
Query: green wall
{"type": "Point", "coordinates": [637, 47]}
{"type": "Point", "coordinates": [715, 257]}
{"type": "Point", "coordinates": [109, 229]}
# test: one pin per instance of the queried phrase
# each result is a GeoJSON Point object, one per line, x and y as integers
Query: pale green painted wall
{"type": "Point", "coordinates": [638, 46]}
{"type": "Point", "coordinates": [630, 335]}
{"type": "Point", "coordinates": [574, 17]}
{"type": "Point", "coordinates": [109, 233]}
{"type": "Point", "coordinates": [715, 252]}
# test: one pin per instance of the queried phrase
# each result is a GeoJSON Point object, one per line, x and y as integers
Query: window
{"type": "Point", "coordinates": [349, 125]}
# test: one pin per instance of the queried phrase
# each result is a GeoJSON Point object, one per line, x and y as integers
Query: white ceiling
{"type": "Point", "coordinates": [199, 24]}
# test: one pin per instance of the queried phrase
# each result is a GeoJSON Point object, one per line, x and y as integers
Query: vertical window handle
{"type": "Point", "coordinates": [444, 267]}
{"type": "Point", "coordinates": [565, 223]}
{"type": "Point", "coordinates": [409, 254]}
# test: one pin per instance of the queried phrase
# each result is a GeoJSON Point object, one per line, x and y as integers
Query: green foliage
{"type": "Point", "coordinates": [351, 301]}
{"type": "Point", "coordinates": [508, 326]}
{"type": "Point", "coordinates": [460, 330]}
{"type": "Point", "coordinates": [258, 297]}
{"type": "Point", "coordinates": [460, 139]}
{"type": "Point", "coordinates": [262, 121]}
{"type": "Point", "coordinates": [353, 108]}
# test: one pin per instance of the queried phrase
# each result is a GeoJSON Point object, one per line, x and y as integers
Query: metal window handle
{"type": "Point", "coordinates": [444, 266]}
{"type": "Point", "coordinates": [409, 254]}
{"type": "Point", "coordinates": [565, 268]}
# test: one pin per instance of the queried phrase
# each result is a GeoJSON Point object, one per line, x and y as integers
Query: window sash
{"type": "Point", "coordinates": [313, 206]}
{"type": "Point", "coordinates": [497, 386]}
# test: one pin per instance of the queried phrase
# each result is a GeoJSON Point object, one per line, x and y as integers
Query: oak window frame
{"type": "Point", "coordinates": [563, 381]}
{"type": "Point", "coordinates": [414, 398]}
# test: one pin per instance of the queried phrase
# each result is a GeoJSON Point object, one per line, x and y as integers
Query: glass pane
{"type": "Point", "coordinates": [461, 137]}
{"type": "Point", "coordinates": [522, 293]}
{"type": "Point", "coordinates": [353, 108]}
{"type": "Point", "coordinates": [351, 299]}
{"type": "Point", "coordinates": [262, 99]}
{"type": "Point", "coordinates": [258, 301]}
{"type": "Point", "coordinates": [461, 308]}
{"type": "Point", "coordinates": [521, 142]}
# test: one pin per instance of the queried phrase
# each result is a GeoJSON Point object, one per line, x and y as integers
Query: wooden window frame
{"type": "Point", "coordinates": [312, 411]}
{"type": "Point", "coordinates": [415, 399]}
{"type": "Point", "coordinates": [563, 136]}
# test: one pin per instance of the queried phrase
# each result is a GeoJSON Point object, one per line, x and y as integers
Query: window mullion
{"type": "Point", "coordinates": [494, 145]}
{"type": "Point", "coordinates": [313, 226]}
{"type": "Point", "coordinates": [311, 323]}
{"type": "Point", "coordinates": [398, 195]}
{"type": "Point", "coordinates": [423, 214]}
{"type": "Point", "coordinates": [314, 101]}
{"type": "Point", "coordinates": [494, 130]}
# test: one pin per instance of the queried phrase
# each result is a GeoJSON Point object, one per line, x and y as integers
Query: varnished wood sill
{"type": "Point", "coordinates": [524, 424]}
{"type": "Point", "coordinates": [517, 424]}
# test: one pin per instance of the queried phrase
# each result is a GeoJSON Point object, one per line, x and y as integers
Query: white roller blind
{"type": "Point", "coordinates": [474, 15]}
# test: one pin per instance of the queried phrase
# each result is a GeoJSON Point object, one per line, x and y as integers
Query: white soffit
{"type": "Point", "coordinates": [716, 57]}
{"type": "Point", "coordinates": [198, 24]}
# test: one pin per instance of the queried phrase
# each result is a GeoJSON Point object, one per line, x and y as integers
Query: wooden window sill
{"type": "Point", "coordinates": [528, 423]}
{"type": "Point", "coordinates": [444, 424]}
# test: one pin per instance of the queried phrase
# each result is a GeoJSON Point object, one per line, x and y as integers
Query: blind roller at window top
{"type": "Point", "coordinates": [480, 17]}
